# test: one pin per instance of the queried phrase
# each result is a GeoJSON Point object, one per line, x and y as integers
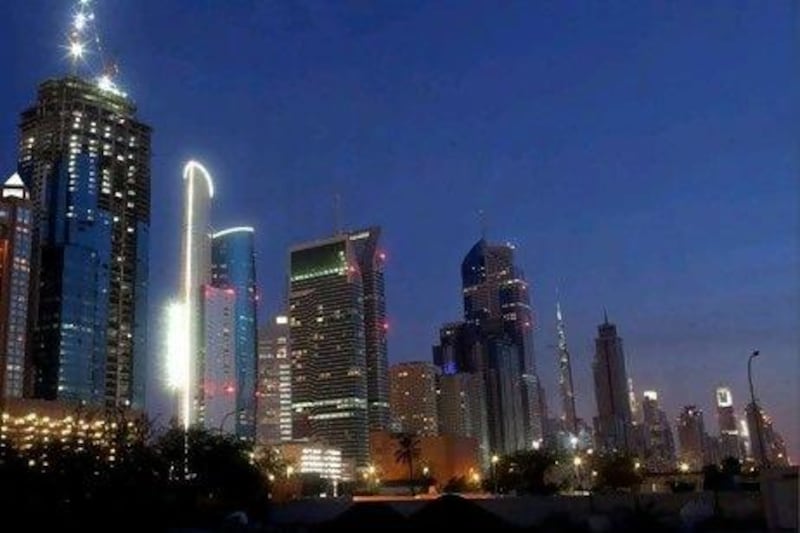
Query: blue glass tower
{"type": "Point", "coordinates": [86, 160]}
{"type": "Point", "coordinates": [233, 268]}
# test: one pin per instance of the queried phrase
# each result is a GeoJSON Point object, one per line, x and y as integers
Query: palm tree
{"type": "Point", "coordinates": [407, 450]}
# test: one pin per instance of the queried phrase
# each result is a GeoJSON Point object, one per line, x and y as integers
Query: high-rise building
{"type": "Point", "coordinates": [220, 365]}
{"type": "Point", "coordinates": [85, 157]}
{"type": "Point", "coordinates": [16, 231]}
{"type": "Point", "coordinates": [233, 269]}
{"type": "Point", "coordinates": [195, 277]}
{"type": "Point", "coordinates": [658, 445]}
{"type": "Point", "coordinates": [569, 417]}
{"type": "Point", "coordinates": [370, 263]}
{"type": "Point", "coordinates": [767, 445]}
{"type": "Point", "coordinates": [412, 397]}
{"type": "Point", "coordinates": [496, 296]}
{"type": "Point", "coordinates": [274, 397]}
{"type": "Point", "coordinates": [729, 438]}
{"type": "Point", "coordinates": [613, 422]}
{"type": "Point", "coordinates": [329, 365]}
{"type": "Point", "coordinates": [692, 437]}
{"type": "Point", "coordinates": [462, 409]}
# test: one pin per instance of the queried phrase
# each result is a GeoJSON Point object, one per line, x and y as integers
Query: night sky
{"type": "Point", "coordinates": [641, 156]}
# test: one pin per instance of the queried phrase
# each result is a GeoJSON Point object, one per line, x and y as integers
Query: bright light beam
{"type": "Point", "coordinates": [175, 346]}
{"type": "Point", "coordinates": [76, 49]}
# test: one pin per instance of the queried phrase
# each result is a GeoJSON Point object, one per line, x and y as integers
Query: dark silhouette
{"type": "Point", "coordinates": [526, 472]}
{"type": "Point", "coordinates": [407, 450]}
{"type": "Point", "coordinates": [617, 472]}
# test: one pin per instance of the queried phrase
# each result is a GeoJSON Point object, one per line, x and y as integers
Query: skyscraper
{"type": "Point", "coordinates": [659, 445]}
{"type": "Point", "coordinates": [86, 160]}
{"type": "Point", "coordinates": [233, 269]}
{"type": "Point", "coordinates": [370, 263]}
{"type": "Point", "coordinates": [692, 437]}
{"type": "Point", "coordinates": [16, 230]}
{"type": "Point", "coordinates": [729, 438]}
{"type": "Point", "coordinates": [195, 276]}
{"type": "Point", "coordinates": [767, 445]}
{"type": "Point", "coordinates": [329, 364]}
{"type": "Point", "coordinates": [462, 409]}
{"type": "Point", "coordinates": [412, 396]}
{"type": "Point", "coordinates": [274, 397]}
{"type": "Point", "coordinates": [496, 300]}
{"type": "Point", "coordinates": [569, 417]}
{"type": "Point", "coordinates": [613, 422]}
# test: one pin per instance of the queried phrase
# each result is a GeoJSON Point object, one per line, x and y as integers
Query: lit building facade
{"type": "Point", "coordinates": [462, 409]}
{"type": "Point", "coordinates": [659, 444]}
{"type": "Point", "coordinates": [729, 438]}
{"type": "Point", "coordinates": [16, 231]}
{"type": "Point", "coordinates": [195, 277]}
{"type": "Point", "coordinates": [219, 367]}
{"type": "Point", "coordinates": [613, 422]}
{"type": "Point", "coordinates": [412, 397]}
{"type": "Point", "coordinates": [274, 395]}
{"type": "Point", "coordinates": [692, 437]}
{"type": "Point", "coordinates": [328, 350]}
{"type": "Point", "coordinates": [233, 269]}
{"type": "Point", "coordinates": [86, 160]}
{"type": "Point", "coordinates": [371, 261]}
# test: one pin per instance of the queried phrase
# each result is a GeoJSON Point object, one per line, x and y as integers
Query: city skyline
{"type": "Point", "coordinates": [646, 310]}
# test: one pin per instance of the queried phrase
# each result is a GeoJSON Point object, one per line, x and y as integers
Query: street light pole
{"type": "Point", "coordinates": [762, 459]}
{"type": "Point", "coordinates": [225, 419]}
{"type": "Point", "coordinates": [495, 460]}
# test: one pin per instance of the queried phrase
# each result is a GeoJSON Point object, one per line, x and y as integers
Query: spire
{"type": "Point", "coordinates": [605, 315]}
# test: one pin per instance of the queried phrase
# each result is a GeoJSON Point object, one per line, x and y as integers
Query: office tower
{"type": "Point", "coordinates": [692, 437]}
{"type": "Point", "coordinates": [195, 277]}
{"type": "Point", "coordinates": [370, 263]}
{"type": "Point", "coordinates": [613, 421]}
{"type": "Point", "coordinates": [767, 445]}
{"type": "Point", "coordinates": [233, 269]}
{"type": "Point", "coordinates": [635, 414]}
{"type": "Point", "coordinates": [329, 366]}
{"type": "Point", "coordinates": [274, 398]}
{"type": "Point", "coordinates": [569, 418]}
{"type": "Point", "coordinates": [462, 409]}
{"type": "Point", "coordinates": [412, 397]}
{"type": "Point", "coordinates": [729, 439]}
{"type": "Point", "coordinates": [496, 298]}
{"type": "Point", "coordinates": [85, 157]}
{"type": "Point", "coordinates": [16, 230]}
{"type": "Point", "coordinates": [659, 445]}
{"type": "Point", "coordinates": [220, 365]}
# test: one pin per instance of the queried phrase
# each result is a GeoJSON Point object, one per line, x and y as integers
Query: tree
{"type": "Point", "coordinates": [529, 471]}
{"type": "Point", "coordinates": [617, 472]}
{"type": "Point", "coordinates": [407, 450]}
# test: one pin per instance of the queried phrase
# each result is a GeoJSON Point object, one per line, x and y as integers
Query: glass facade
{"type": "Point", "coordinates": [233, 268]}
{"type": "Point", "coordinates": [86, 160]}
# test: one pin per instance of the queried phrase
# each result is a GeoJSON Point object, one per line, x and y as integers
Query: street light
{"type": "Point", "coordinates": [289, 471]}
{"type": "Point", "coordinates": [577, 462]}
{"type": "Point", "coordinates": [684, 467]}
{"type": "Point", "coordinates": [762, 458]}
{"type": "Point", "coordinates": [495, 460]}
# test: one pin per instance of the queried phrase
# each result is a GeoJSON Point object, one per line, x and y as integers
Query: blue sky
{"type": "Point", "coordinates": [642, 156]}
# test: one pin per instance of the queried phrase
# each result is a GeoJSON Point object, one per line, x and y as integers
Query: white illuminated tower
{"type": "Point", "coordinates": [196, 272]}
{"type": "Point", "coordinates": [565, 376]}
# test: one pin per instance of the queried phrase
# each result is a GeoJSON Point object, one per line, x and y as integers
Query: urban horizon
{"type": "Point", "coordinates": [412, 334]}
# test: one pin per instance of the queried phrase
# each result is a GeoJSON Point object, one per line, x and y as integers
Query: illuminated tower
{"type": "Point", "coordinates": [729, 438]}
{"type": "Point", "coordinates": [16, 228]}
{"type": "Point", "coordinates": [85, 157]}
{"type": "Point", "coordinates": [329, 363]}
{"type": "Point", "coordinates": [274, 398]}
{"type": "Point", "coordinates": [570, 419]}
{"type": "Point", "coordinates": [413, 397]}
{"type": "Point", "coordinates": [233, 269]}
{"type": "Point", "coordinates": [196, 274]}
{"type": "Point", "coordinates": [692, 437]}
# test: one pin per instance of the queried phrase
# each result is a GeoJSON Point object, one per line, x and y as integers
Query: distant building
{"type": "Point", "coordinates": [85, 158]}
{"type": "Point", "coordinates": [462, 409]}
{"type": "Point", "coordinates": [328, 349]}
{"type": "Point", "coordinates": [16, 232]}
{"type": "Point", "coordinates": [729, 438]}
{"type": "Point", "coordinates": [613, 421]}
{"type": "Point", "coordinates": [371, 260]}
{"type": "Point", "coordinates": [274, 396]}
{"type": "Point", "coordinates": [692, 437]}
{"type": "Point", "coordinates": [659, 445]}
{"type": "Point", "coordinates": [218, 411]}
{"type": "Point", "coordinates": [233, 269]}
{"type": "Point", "coordinates": [767, 445]}
{"type": "Point", "coordinates": [569, 418]}
{"type": "Point", "coordinates": [413, 398]}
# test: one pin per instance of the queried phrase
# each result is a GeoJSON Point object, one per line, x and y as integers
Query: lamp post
{"type": "Point", "coordinates": [762, 458]}
{"type": "Point", "coordinates": [225, 419]}
{"type": "Point", "coordinates": [495, 460]}
{"type": "Point", "coordinates": [577, 461]}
